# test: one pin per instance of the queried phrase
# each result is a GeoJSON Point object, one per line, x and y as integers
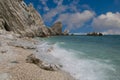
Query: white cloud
{"type": "Point", "coordinates": [85, 6]}
{"type": "Point", "coordinates": [69, 14]}
{"type": "Point", "coordinates": [112, 32]}
{"type": "Point", "coordinates": [51, 13]}
{"type": "Point", "coordinates": [107, 23]}
{"type": "Point", "coordinates": [75, 2]}
{"type": "Point", "coordinates": [71, 20]}
{"type": "Point", "coordinates": [44, 3]}
{"type": "Point", "coordinates": [39, 7]}
{"type": "Point", "coordinates": [75, 20]}
{"type": "Point", "coordinates": [46, 8]}
{"type": "Point", "coordinates": [58, 2]}
{"type": "Point", "coordinates": [74, 6]}
{"type": "Point", "coordinates": [48, 17]}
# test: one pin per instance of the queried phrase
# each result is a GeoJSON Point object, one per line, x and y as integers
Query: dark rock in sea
{"type": "Point", "coordinates": [100, 34]}
{"type": "Point", "coordinates": [94, 34]}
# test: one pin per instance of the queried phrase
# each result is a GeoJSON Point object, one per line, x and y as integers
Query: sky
{"type": "Point", "coordinates": [81, 16]}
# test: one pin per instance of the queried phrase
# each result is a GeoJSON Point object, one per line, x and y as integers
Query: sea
{"type": "Point", "coordinates": [87, 57]}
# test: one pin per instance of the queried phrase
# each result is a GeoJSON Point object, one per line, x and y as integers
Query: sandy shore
{"type": "Point", "coordinates": [13, 53]}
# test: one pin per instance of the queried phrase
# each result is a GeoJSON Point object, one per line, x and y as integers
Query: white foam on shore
{"type": "Point", "coordinates": [81, 69]}
{"type": "Point", "coordinates": [43, 53]}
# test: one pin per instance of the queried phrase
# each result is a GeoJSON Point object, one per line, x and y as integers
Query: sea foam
{"type": "Point", "coordinates": [80, 68]}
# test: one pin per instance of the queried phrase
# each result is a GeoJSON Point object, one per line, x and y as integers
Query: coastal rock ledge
{"type": "Point", "coordinates": [17, 63]}
{"type": "Point", "coordinates": [18, 24]}
{"type": "Point", "coordinates": [23, 19]}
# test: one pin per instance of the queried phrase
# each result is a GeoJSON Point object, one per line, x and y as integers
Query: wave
{"type": "Point", "coordinates": [81, 68]}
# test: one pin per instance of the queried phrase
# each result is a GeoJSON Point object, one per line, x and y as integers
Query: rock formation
{"type": "Point", "coordinates": [57, 28]}
{"type": "Point", "coordinates": [94, 34]}
{"type": "Point", "coordinates": [16, 16]}
{"type": "Point", "coordinates": [17, 63]}
{"type": "Point", "coordinates": [32, 59]}
{"type": "Point", "coordinates": [66, 32]}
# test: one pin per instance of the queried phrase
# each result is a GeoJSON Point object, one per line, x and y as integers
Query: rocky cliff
{"type": "Point", "coordinates": [23, 19]}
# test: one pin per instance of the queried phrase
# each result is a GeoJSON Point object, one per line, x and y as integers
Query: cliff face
{"type": "Point", "coordinates": [16, 16]}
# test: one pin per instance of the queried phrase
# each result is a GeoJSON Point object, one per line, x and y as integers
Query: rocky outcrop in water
{"type": "Point", "coordinates": [23, 19]}
{"type": "Point", "coordinates": [94, 34]}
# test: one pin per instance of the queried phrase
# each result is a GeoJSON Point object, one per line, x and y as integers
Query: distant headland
{"type": "Point", "coordinates": [94, 34]}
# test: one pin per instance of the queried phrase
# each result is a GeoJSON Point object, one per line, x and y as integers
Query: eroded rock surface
{"type": "Point", "coordinates": [23, 19]}
{"type": "Point", "coordinates": [50, 67]}
{"type": "Point", "coordinates": [13, 57]}
{"type": "Point", "coordinates": [16, 16]}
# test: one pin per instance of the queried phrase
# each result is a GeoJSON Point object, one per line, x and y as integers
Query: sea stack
{"type": "Point", "coordinates": [57, 28]}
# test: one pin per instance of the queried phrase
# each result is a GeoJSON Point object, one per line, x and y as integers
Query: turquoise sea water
{"type": "Point", "coordinates": [88, 57]}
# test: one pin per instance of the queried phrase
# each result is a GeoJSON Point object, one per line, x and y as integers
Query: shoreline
{"type": "Point", "coordinates": [13, 53]}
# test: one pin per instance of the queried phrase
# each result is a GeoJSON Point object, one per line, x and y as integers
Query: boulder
{"type": "Point", "coordinates": [50, 67]}
{"type": "Point", "coordinates": [32, 59]}
{"type": "Point", "coordinates": [46, 66]}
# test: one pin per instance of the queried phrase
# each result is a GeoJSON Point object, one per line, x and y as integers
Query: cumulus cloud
{"type": "Point", "coordinates": [51, 13]}
{"type": "Point", "coordinates": [112, 32]}
{"type": "Point", "coordinates": [58, 2]}
{"type": "Point", "coordinates": [85, 6]}
{"type": "Point", "coordinates": [39, 7]}
{"type": "Point", "coordinates": [49, 16]}
{"type": "Point", "coordinates": [75, 20]}
{"type": "Point", "coordinates": [44, 3]}
{"type": "Point", "coordinates": [70, 14]}
{"type": "Point", "coordinates": [107, 23]}
{"type": "Point", "coordinates": [60, 13]}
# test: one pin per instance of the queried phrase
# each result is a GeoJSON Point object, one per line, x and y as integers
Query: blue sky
{"type": "Point", "coordinates": [81, 16]}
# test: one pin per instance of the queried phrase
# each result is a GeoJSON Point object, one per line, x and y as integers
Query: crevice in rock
{"type": "Point", "coordinates": [7, 28]}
